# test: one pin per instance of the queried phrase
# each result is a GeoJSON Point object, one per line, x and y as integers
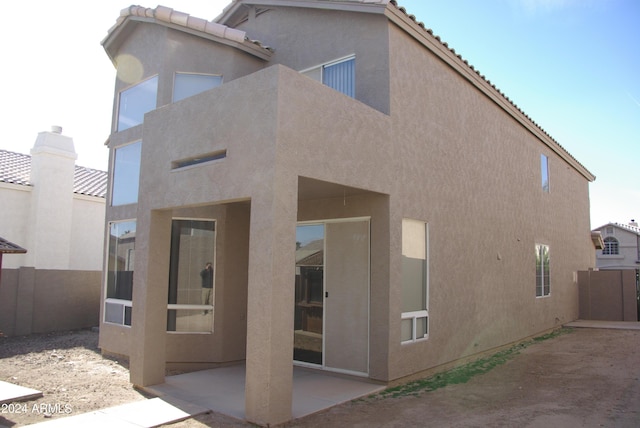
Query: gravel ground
{"type": "Point", "coordinates": [585, 378]}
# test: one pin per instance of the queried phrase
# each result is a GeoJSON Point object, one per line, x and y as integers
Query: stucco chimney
{"type": "Point", "coordinates": [53, 159]}
{"type": "Point", "coordinates": [633, 223]}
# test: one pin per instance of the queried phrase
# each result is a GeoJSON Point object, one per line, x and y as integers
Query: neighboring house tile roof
{"type": "Point", "coordinates": [15, 168]}
{"type": "Point", "coordinates": [627, 227]}
{"type": "Point", "coordinates": [10, 248]}
{"type": "Point", "coordinates": [90, 182]}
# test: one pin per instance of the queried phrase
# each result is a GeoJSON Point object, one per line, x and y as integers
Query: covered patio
{"type": "Point", "coordinates": [222, 390]}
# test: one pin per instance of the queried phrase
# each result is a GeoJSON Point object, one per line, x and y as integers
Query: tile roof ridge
{"type": "Point", "coordinates": [183, 19]}
{"type": "Point", "coordinates": [483, 77]}
{"type": "Point", "coordinates": [628, 227]}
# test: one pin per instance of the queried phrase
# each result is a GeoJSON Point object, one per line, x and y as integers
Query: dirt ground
{"type": "Point", "coordinates": [585, 378]}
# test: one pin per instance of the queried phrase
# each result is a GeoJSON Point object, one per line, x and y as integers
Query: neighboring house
{"type": "Point", "coordinates": [621, 248]}
{"type": "Point", "coordinates": [52, 207]}
{"type": "Point", "coordinates": [56, 211]}
{"type": "Point", "coordinates": [372, 205]}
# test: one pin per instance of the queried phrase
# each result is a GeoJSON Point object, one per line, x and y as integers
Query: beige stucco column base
{"type": "Point", "coordinates": [149, 318]}
{"type": "Point", "coordinates": [269, 375]}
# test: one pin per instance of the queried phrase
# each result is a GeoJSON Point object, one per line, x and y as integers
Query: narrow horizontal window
{"type": "Point", "coordinates": [195, 160]}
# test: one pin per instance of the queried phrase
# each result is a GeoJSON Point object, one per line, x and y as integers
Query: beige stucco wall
{"type": "Point", "coordinates": [326, 36]}
{"type": "Point", "coordinates": [608, 295]}
{"type": "Point", "coordinates": [473, 173]}
{"type": "Point", "coordinates": [42, 301]}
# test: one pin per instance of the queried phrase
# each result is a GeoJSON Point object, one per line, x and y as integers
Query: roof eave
{"type": "Point", "coordinates": [371, 6]}
{"type": "Point", "coordinates": [111, 42]}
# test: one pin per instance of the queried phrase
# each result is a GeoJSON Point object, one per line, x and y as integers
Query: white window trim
{"type": "Point", "coordinates": [125, 303]}
{"type": "Point", "coordinates": [188, 307]}
{"type": "Point", "coordinates": [415, 315]}
{"type": "Point", "coordinates": [112, 175]}
{"type": "Point", "coordinates": [116, 125]}
{"type": "Point", "coordinates": [543, 296]}
{"type": "Point", "coordinates": [173, 87]}
{"type": "Point", "coordinates": [322, 66]}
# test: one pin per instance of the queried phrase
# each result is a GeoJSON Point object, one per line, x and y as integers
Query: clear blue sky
{"type": "Point", "coordinates": [573, 66]}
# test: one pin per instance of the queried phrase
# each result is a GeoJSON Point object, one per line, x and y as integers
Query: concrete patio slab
{"type": "Point", "coordinates": [222, 390]}
{"type": "Point", "coordinates": [10, 393]}
{"type": "Point", "coordinates": [618, 325]}
{"type": "Point", "coordinates": [145, 413]}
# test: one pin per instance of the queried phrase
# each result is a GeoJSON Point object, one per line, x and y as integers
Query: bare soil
{"type": "Point", "coordinates": [585, 378]}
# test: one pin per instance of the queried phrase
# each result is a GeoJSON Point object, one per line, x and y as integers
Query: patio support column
{"type": "Point", "coordinates": [149, 311]}
{"type": "Point", "coordinates": [269, 375]}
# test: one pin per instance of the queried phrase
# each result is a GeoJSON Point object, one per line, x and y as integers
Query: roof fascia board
{"type": "Point", "coordinates": [446, 55]}
{"type": "Point", "coordinates": [247, 46]}
{"type": "Point", "coordinates": [347, 6]}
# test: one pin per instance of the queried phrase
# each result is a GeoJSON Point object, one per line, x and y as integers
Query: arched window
{"type": "Point", "coordinates": [610, 246]}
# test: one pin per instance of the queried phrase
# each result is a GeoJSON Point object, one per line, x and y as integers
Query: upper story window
{"type": "Point", "coordinates": [126, 174]}
{"type": "Point", "coordinates": [339, 75]}
{"type": "Point", "coordinates": [188, 84]}
{"type": "Point", "coordinates": [544, 172]}
{"type": "Point", "coordinates": [611, 246]}
{"type": "Point", "coordinates": [135, 102]}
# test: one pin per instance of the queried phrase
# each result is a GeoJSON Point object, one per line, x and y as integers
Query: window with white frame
{"type": "Point", "coordinates": [543, 287]}
{"type": "Point", "coordinates": [191, 276]}
{"type": "Point", "coordinates": [544, 172]}
{"type": "Point", "coordinates": [415, 280]}
{"type": "Point", "coordinates": [611, 246]}
{"type": "Point", "coordinates": [126, 174]}
{"type": "Point", "coordinates": [135, 101]}
{"type": "Point", "coordinates": [120, 261]}
{"type": "Point", "coordinates": [339, 75]}
{"type": "Point", "coordinates": [188, 84]}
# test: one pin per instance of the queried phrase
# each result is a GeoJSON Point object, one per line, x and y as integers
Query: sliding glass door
{"type": "Point", "coordinates": [332, 295]}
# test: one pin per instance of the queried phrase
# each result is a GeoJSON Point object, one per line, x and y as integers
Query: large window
{"type": "Point", "coordinates": [415, 280]}
{"type": "Point", "coordinates": [611, 246]}
{"type": "Point", "coordinates": [121, 254]}
{"type": "Point", "coordinates": [191, 276]}
{"type": "Point", "coordinates": [135, 102]}
{"type": "Point", "coordinates": [542, 271]}
{"type": "Point", "coordinates": [126, 174]}
{"type": "Point", "coordinates": [188, 84]}
{"type": "Point", "coordinates": [339, 75]}
{"type": "Point", "coordinates": [544, 173]}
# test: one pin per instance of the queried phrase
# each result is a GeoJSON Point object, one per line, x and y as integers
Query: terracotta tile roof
{"type": "Point", "coordinates": [15, 168]}
{"type": "Point", "coordinates": [170, 16]}
{"type": "Point", "coordinates": [482, 76]}
{"type": "Point", "coordinates": [10, 248]}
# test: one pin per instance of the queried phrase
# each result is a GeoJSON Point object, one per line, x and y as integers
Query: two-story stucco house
{"type": "Point", "coordinates": [370, 203]}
